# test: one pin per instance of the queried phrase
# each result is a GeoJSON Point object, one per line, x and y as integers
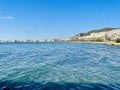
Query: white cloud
{"type": "Point", "coordinates": [7, 17]}
{"type": "Point", "coordinates": [35, 28]}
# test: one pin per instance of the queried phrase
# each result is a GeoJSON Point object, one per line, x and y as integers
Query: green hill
{"type": "Point", "coordinates": [99, 30]}
{"type": "Point", "coordinates": [76, 37]}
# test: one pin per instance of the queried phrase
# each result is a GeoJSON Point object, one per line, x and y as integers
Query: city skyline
{"type": "Point", "coordinates": [44, 19]}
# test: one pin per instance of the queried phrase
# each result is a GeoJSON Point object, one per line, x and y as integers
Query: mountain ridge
{"type": "Point", "coordinates": [95, 31]}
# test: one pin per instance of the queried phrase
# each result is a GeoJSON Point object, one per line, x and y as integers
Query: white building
{"type": "Point", "coordinates": [114, 34]}
{"type": "Point", "coordinates": [111, 35]}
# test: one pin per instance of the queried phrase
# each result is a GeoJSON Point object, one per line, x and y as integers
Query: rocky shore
{"type": "Point", "coordinates": [113, 43]}
{"type": "Point", "coordinates": [107, 43]}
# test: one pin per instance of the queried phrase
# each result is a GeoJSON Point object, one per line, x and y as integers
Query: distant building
{"type": "Point", "coordinates": [109, 35]}
{"type": "Point", "coordinates": [114, 34]}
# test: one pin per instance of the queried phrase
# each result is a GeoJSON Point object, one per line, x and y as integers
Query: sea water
{"type": "Point", "coordinates": [59, 66]}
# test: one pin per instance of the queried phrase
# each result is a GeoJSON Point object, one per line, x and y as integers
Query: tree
{"type": "Point", "coordinates": [118, 40]}
{"type": "Point", "coordinates": [98, 39]}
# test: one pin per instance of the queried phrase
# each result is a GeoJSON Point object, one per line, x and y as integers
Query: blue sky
{"type": "Point", "coordinates": [42, 19]}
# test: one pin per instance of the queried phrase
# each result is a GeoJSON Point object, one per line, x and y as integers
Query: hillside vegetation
{"type": "Point", "coordinates": [99, 30]}
{"type": "Point", "coordinates": [76, 37]}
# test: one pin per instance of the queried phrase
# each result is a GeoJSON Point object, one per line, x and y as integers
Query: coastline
{"type": "Point", "coordinates": [110, 43]}
{"type": "Point", "coordinates": [113, 44]}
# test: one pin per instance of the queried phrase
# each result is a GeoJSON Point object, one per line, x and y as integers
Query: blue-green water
{"type": "Point", "coordinates": [59, 66]}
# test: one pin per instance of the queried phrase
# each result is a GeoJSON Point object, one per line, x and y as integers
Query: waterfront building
{"type": "Point", "coordinates": [109, 35]}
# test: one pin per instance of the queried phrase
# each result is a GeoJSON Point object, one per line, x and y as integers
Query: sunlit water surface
{"type": "Point", "coordinates": [59, 66]}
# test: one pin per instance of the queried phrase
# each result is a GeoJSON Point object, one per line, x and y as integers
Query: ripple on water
{"type": "Point", "coordinates": [59, 66]}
